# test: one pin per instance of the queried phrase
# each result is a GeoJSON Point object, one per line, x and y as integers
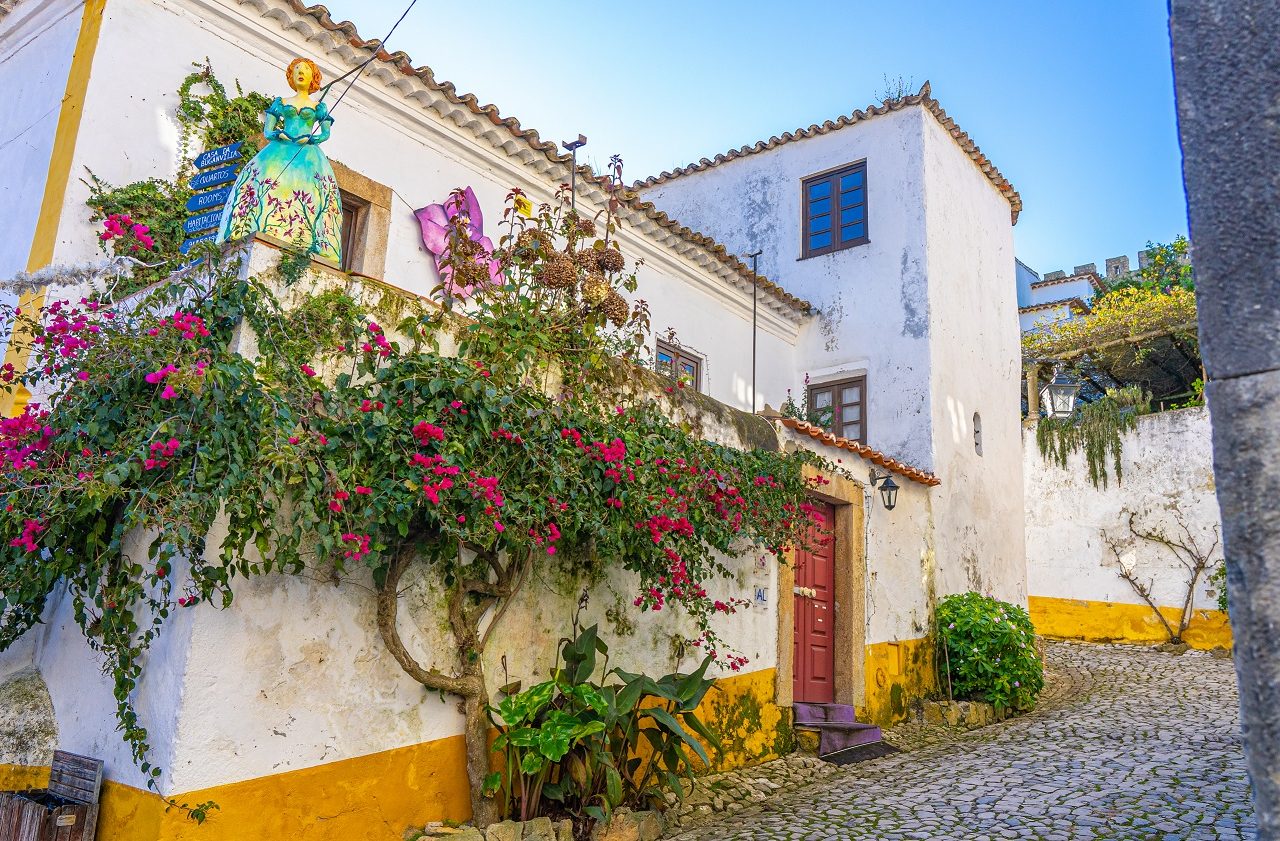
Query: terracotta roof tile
{"type": "Point", "coordinates": [404, 63]}
{"type": "Point", "coordinates": [1094, 280]}
{"type": "Point", "coordinates": [922, 98]}
{"type": "Point", "coordinates": [871, 454]}
{"type": "Point", "coordinates": [1076, 304]}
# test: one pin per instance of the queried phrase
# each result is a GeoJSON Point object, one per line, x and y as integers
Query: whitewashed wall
{"type": "Point", "coordinates": [1168, 468]}
{"type": "Point", "coordinates": [873, 298]}
{"type": "Point", "coordinates": [976, 364]}
{"type": "Point", "coordinates": [37, 40]}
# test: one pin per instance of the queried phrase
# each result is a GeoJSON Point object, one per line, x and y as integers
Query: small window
{"type": "Point", "coordinates": [844, 403]}
{"type": "Point", "coordinates": [679, 364]}
{"type": "Point", "coordinates": [355, 219]}
{"type": "Point", "coordinates": [835, 210]}
{"type": "Point", "coordinates": [977, 433]}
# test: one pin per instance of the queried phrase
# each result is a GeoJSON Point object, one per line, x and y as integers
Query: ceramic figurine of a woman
{"type": "Point", "coordinates": [288, 190]}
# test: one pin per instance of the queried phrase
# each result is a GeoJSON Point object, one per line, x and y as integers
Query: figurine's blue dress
{"type": "Point", "coordinates": [288, 190]}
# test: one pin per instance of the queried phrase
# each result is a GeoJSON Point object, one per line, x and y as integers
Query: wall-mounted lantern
{"type": "Point", "coordinates": [888, 489]}
{"type": "Point", "coordinates": [1058, 398]}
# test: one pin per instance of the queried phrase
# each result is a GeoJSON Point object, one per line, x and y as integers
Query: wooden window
{"type": "Point", "coordinates": [835, 210]}
{"type": "Point", "coordinates": [355, 225]}
{"type": "Point", "coordinates": [845, 403]}
{"type": "Point", "coordinates": [679, 364]}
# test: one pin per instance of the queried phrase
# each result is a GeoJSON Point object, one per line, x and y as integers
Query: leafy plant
{"type": "Point", "coordinates": [1218, 580]}
{"type": "Point", "coordinates": [215, 119]}
{"type": "Point", "coordinates": [1095, 428]}
{"type": "Point", "coordinates": [571, 746]}
{"type": "Point", "coordinates": [347, 445]}
{"type": "Point", "coordinates": [1168, 267]}
{"type": "Point", "coordinates": [802, 411]}
{"type": "Point", "coordinates": [988, 651]}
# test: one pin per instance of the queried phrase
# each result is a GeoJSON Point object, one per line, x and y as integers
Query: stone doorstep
{"type": "Point", "coordinates": [625, 826]}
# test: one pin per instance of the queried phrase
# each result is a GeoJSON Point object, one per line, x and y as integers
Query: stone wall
{"type": "Point", "coordinates": [1073, 574]}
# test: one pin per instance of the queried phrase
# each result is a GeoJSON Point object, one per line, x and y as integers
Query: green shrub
{"type": "Point", "coordinates": [573, 747]}
{"type": "Point", "coordinates": [988, 651]}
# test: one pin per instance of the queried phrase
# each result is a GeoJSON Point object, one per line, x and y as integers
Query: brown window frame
{"type": "Point", "coordinates": [836, 425]}
{"type": "Point", "coordinates": [679, 356]}
{"type": "Point", "coordinates": [355, 229]}
{"type": "Point", "coordinates": [833, 176]}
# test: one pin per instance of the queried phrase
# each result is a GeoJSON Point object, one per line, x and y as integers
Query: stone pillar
{"type": "Point", "coordinates": [1226, 57]}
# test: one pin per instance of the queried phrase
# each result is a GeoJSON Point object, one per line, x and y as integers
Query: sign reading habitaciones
{"type": "Point", "coordinates": [216, 169]}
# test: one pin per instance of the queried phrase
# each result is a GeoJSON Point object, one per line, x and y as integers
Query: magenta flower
{"type": "Point", "coordinates": [436, 221]}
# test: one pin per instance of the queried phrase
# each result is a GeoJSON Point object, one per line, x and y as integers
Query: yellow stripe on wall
{"type": "Point", "coordinates": [1095, 621]}
{"type": "Point", "coordinates": [55, 184]}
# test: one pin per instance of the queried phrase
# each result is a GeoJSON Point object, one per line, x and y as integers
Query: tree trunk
{"type": "Point", "coordinates": [469, 685]}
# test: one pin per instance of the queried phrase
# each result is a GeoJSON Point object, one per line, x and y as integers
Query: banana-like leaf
{"type": "Point", "coordinates": [668, 721]}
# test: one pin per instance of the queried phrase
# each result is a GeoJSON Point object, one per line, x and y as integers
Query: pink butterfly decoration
{"type": "Point", "coordinates": [436, 221]}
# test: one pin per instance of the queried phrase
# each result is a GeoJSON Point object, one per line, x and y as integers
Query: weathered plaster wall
{"type": "Point", "coordinates": [420, 155]}
{"type": "Point", "coordinates": [36, 44]}
{"type": "Point", "coordinates": [974, 377]}
{"type": "Point", "coordinates": [1168, 479]}
{"type": "Point", "coordinates": [873, 298]}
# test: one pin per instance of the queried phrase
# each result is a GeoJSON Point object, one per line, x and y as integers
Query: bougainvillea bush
{"type": "Point", "coordinates": [988, 651]}
{"type": "Point", "coordinates": [341, 443]}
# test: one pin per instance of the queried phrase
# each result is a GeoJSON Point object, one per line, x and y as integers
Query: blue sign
{"type": "Point", "coordinates": [202, 221]}
{"type": "Point", "coordinates": [214, 176]}
{"type": "Point", "coordinates": [189, 244]}
{"type": "Point", "coordinates": [221, 155]}
{"type": "Point", "coordinates": [209, 200]}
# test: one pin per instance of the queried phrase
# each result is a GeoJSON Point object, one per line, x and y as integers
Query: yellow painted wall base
{"type": "Point", "coordinates": [1134, 623]}
{"type": "Point", "coordinates": [377, 797]}
{"type": "Point", "coordinates": [897, 673]}
{"type": "Point", "coordinates": [367, 798]}
{"type": "Point", "coordinates": [743, 710]}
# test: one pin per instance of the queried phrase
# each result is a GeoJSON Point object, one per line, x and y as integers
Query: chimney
{"type": "Point", "coordinates": [1087, 268]}
{"type": "Point", "coordinates": [1117, 266]}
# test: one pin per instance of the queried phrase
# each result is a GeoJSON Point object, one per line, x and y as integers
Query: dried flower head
{"type": "Point", "coordinates": [609, 260]}
{"type": "Point", "coordinates": [595, 289]}
{"type": "Point", "coordinates": [559, 272]}
{"type": "Point", "coordinates": [615, 308]}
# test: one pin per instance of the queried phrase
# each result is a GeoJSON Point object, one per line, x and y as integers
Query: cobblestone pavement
{"type": "Point", "coordinates": [1126, 743]}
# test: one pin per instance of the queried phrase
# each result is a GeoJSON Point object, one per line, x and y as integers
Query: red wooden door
{"type": "Point", "coordinates": [814, 622]}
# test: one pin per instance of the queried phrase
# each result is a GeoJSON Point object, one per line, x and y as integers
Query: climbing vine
{"type": "Point", "coordinates": [1096, 429]}
{"type": "Point", "coordinates": [159, 205]}
{"type": "Point", "coordinates": [323, 439]}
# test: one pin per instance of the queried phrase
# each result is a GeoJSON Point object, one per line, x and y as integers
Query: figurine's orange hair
{"type": "Point", "coordinates": [315, 73]}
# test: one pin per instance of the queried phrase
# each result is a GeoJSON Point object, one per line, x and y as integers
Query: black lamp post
{"type": "Point", "coordinates": [572, 146]}
{"type": "Point", "coordinates": [888, 489]}
{"type": "Point", "coordinates": [1059, 396]}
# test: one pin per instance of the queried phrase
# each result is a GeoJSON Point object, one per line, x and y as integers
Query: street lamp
{"type": "Point", "coordinates": [1059, 396]}
{"type": "Point", "coordinates": [888, 489]}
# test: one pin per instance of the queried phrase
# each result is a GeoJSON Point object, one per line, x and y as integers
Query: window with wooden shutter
{"type": "Point", "coordinates": [845, 404]}
{"type": "Point", "coordinates": [835, 210]}
{"type": "Point", "coordinates": [679, 364]}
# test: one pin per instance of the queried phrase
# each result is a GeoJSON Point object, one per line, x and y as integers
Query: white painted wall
{"type": "Point", "coordinates": [1168, 467]}
{"type": "Point", "coordinates": [37, 40]}
{"type": "Point", "coordinates": [976, 364]}
{"type": "Point", "coordinates": [873, 297]}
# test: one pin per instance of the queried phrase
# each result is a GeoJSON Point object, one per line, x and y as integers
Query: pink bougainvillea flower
{"type": "Point", "coordinates": [168, 393]}
{"type": "Point", "coordinates": [436, 221]}
{"type": "Point", "coordinates": [308, 370]}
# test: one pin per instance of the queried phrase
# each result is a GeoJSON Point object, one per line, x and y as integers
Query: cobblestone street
{"type": "Point", "coordinates": [1126, 743]}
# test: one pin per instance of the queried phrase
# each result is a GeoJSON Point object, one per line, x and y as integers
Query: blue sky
{"type": "Point", "coordinates": [1072, 101]}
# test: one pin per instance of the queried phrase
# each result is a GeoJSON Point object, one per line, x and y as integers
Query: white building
{"type": "Point", "coordinates": [286, 709]}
